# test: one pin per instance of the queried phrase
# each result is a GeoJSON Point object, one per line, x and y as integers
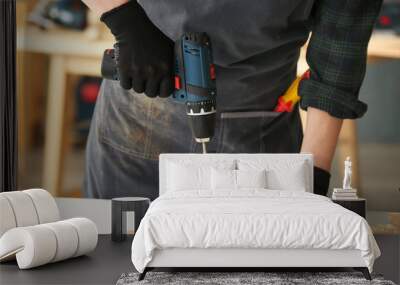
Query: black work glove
{"type": "Point", "coordinates": [146, 56]}
{"type": "Point", "coordinates": [321, 181]}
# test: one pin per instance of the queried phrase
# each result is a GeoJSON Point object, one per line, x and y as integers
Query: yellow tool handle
{"type": "Point", "coordinates": [287, 101]}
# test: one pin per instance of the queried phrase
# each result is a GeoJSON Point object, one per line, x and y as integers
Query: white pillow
{"type": "Point", "coordinates": [202, 161]}
{"type": "Point", "coordinates": [223, 179]}
{"type": "Point", "coordinates": [251, 178]}
{"type": "Point", "coordinates": [191, 174]}
{"type": "Point", "coordinates": [181, 177]}
{"type": "Point", "coordinates": [292, 179]}
{"type": "Point", "coordinates": [282, 174]}
{"type": "Point", "coordinates": [226, 179]}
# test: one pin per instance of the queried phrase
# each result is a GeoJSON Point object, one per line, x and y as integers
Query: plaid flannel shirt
{"type": "Point", "coordinates": [337, 55]}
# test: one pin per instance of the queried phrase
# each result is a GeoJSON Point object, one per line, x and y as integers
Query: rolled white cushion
{"type": "Point", "coordinates": [87, 235]}
{"type": "Point", "coordinates": [40, 244]}
{"type": "Point", "coordinates": [251, 178]}
{"type": "Point", "coordinates": [67, 239]}
{"type": "Point", "coordinates": [7, 218]}
{"type": "Point", "coordinates": [23, 208]}
{"type": "Point", "coordinates": [33, 245]}
{"type": "Point", "coordinates": [45, 205]}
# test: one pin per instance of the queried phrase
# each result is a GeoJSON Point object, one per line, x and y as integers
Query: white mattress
{"type": "Point", "coordinates": [252, 218]}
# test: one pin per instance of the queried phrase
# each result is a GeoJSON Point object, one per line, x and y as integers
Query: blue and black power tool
{"type": "Point", "coordinates": [194, 82]}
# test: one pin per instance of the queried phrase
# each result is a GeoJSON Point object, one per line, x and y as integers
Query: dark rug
{"type": "Point", "coordinates": [231, 278]}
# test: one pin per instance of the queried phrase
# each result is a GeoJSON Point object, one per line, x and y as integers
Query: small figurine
{"type": "Point", "coordinates": [347, 192]}
{"type": "Point", "coordinates": [347, 174]}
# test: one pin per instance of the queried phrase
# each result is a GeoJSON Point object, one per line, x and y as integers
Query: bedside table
{"type": "Point", "coordinates": [119, 207]}
{"type": "Point", "coordinates": [358, 205]}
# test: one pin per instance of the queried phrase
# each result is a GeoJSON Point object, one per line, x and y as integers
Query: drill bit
{"type": "Point", "coordinates": [204, 147]}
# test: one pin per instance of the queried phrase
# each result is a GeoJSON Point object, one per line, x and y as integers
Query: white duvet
{"type": "Point", "coordinates": [250, 219]}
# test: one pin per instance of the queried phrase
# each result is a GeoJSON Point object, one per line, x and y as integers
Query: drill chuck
{"type": "Point", "coordinates": [201, 117]}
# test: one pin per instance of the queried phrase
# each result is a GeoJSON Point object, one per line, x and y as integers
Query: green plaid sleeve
{"type": "Point", "coordinates": [337, 55]}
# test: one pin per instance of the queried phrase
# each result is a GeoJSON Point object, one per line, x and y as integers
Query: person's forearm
{"type": "Point", "coordinates": [320, 137]}
{"type": "Point", "coordinates": [102, 6]}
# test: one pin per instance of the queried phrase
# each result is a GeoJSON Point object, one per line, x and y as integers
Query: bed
{"type": "Point", "coordinates": [246, 211]}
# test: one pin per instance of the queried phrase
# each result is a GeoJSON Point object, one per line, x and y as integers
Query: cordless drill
{"type": "Point", "coordinates": [194, 82]}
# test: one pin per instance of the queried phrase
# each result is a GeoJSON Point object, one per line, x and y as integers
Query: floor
{"type": "Point", "coordinates": [106, 264]}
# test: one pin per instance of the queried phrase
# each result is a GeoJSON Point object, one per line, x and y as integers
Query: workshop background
{"type": "Point", "coordinates": [60, 45]}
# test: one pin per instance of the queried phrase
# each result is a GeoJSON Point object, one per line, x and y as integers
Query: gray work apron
{"type": "Point", "coordinates": [256, 46]}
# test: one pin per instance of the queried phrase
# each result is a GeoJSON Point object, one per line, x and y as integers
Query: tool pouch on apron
{"type": "Point", "coordinates": [260, 132]}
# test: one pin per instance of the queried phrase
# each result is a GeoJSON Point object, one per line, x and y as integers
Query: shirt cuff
{"type": "Point", "coordinates": [336, 102]}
